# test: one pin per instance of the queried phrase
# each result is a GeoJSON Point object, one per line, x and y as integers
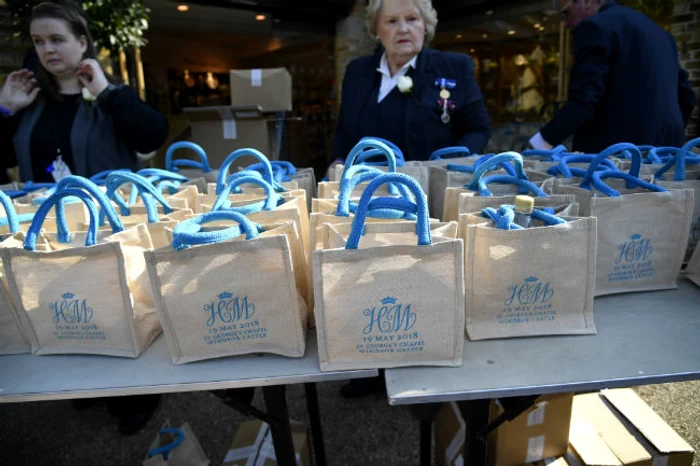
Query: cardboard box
{"type": "Point", "coordinates": [450, 430]}
{"type": "Point", "coordinates": [254, 440]}
{"type": "Point", "coordinates": [591, 408]}
{"type": "Point", "coordinates": [659, 439]}
{"type": "Point", "coordinates": [540, 432]}
{"type": "Point", "coordinates": [270, 88]}
{"type": "Point", "coordinates": [587, 448]}
{"type": "Point", "coordinates": [561, 461]}
{"type": "Point", "coordinates": [221, 130]}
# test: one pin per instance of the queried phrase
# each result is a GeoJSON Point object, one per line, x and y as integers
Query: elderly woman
{"type": "Point", "coordinates": [418, 98]}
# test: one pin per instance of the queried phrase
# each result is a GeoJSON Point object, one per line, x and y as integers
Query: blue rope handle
{"type": "Point", "coordinates": [453, 152]}
{"type": "Point", "coordinates": [632, 182]}
{"type": "Point", "coordinates": [345, 206]}
{"type": "Point", "coordinates": [504, 217]}
{"type": "Point", "coordinates": [31, 186]}
{"type": "Point", "coordinates": [189, 233]}
{"type": "Point", "coordinates": [285, 165]}
{"type": "Point", "coordinates": [398, 153]}
{"type": "Point", "coordinates": [392, 208]}
{"type": "Point", "coordinates": [546, 154]}
{"type": "Point", "coordinates": [147, 191]}
{"type": "Point", "coordinates": [10, 212]}
{"type": "Point", "coordinates": [492, 163]}
{"type": "Point", "coordinates": [171, 186]}
{"type": "Point", "coordinates": [267, 174]}
{"type": "Point", "coordinates": [680, 160]}
{"type": "Point", "coordinates": [162, 175]}
{"type": "Point", "coordinates": [479, 162]}
{"type": "Point", "coordinates": [634, 152]}
{"type": "Point", "coordinates": [367, 143]}
{"type": "Point", "coordinates": [270, 203]}
{"type": "Point", "coordinates": [563, 169]}
{"type": "Point", "coordinates": [100, 178]}
{"type": "Point", "coordinates": [654, 155]}
{"type": "Point", "coordinates": [15, 193]}
{"type": "Point", "coordinates": [203, 164]}
{"type": "Point", "coordinates": [166, 449]}
{"type": "Point", "coordinates": [106, 209]}
{"type": "Point", "coordinates": [356, 170]}
{"type": "Point", "coordinates": [40, 216]}
{"type": "Point", "coordinates": [524, 186]}
{"type": "Point", "coordinates": [279, 172]}
{"type": "Point", "coordinates": [365, 158]}
{"type": "Point", "coordinates": [422, 221]}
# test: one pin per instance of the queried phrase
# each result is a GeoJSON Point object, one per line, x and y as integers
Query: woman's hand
{"type": "Point", "coordinates": [92, 77]}
{"type": "Point", "coordinates": [19, 91]}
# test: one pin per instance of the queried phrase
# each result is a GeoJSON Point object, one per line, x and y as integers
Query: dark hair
{"type": "Point", "coordinates": [71, 14]}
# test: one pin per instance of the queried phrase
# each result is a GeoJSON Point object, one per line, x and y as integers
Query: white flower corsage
{"type": "Point", "coordinates": [405, 84]}
{"type": "Point", "coordinates": [87, 96]}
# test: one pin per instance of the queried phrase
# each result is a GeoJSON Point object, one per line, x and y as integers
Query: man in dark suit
{"type": "Point", "coordinates": [626, 82]}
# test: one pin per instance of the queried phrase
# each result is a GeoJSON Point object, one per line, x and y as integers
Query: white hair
{"type": "Point", "coordinates": [425, 7]}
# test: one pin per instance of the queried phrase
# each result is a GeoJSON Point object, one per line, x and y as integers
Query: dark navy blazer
{"type": "Point", "coordinates": [626, 85]}
{"type": "Point", "coordinates": [423, 130]}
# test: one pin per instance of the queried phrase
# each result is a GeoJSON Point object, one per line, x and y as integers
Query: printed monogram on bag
{"type": "Point", "coordinates": [633, 261]}
{"type": "Point", "coordinates": [389, 329]}
{"type": "Point", "coordinates": [230, 319]}
{"type": "Point", "coordinates": [528, 302]}
{"type": "Point", "coordinates": [73, 319]}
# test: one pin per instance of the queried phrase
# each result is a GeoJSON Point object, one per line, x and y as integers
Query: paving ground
{"type": "Point", "coordinates": [357, 432]}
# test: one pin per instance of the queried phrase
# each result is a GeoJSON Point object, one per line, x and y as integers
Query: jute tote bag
{"type": "Point", "coordinates": [390, 305]}
{"type": "Point", "coordinates": [12, 339]}
{"type": "Point", "coordinates": [188, 167]}
{"type": "Point", "coordinates": [284, 172]}
{"type": "Point", "coordinates": [683, 180]}
{"type": "Point", "coordinates": [343, 209]}
{"type": "Point", "coordinates": [84, 300]}
{"type": "Point", "coordinates": [453, 180]}
{"type": "Point", "coordinates": [210, 307]}
{"type": "Point", "coordinates": [496, 190]}
{"type": "Point", "coordinates": [267, 173]}
{"type": "Point", "coordinates": [528, 282]}
{"type": "Point", "coordinates": [642, 228]}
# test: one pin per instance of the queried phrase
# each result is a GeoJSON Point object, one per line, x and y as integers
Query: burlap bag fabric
{"type": "Point", "coordinates": [84, 300]}
{"type": "Point", "coordinates": [460, 181]}
{"type": "Point", "coordinates": [332, 189]}
{"type": "Point", "coordinates": [642, 228]}
{"type": "Point", "coordinates": [285, 172]}
{"type": "Point", "coordinates": [528, 282]}
{"type": "Point", "coordinates": [190, 168]}
{"type": "Point", "coordinates": [385, 304]}
{"type": "Point", "coordinates": [209, 312]}
{"type": "Point", "coordinates": [684, 179]}
{"type": "Point", "coordinates": [661, 162]}
{"type": "Point", "coordinates": [12, 339]}
{"type": "Point", "coordinates": [272, 210]}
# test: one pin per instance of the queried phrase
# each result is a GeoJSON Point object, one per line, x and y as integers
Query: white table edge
{"type": "Point", "coordinates": [188, 387]}
{"type": "Point", "coordinates": [627, 382]}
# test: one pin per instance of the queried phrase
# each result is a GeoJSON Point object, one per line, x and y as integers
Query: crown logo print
{"type": "Point", "coordinates": [226, 295]}
{"type": "Point", "coordinates": [67, 295]}
{"type": "Point", "coordinates": [636, 237]}
{"type": "Point", "coordinates": [531, 279]}
{"type": "Point", "coordinates": [389, 300]}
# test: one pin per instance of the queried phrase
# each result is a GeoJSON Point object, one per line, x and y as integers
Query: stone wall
{"type": "Point", "coordinates": [351, 41]}
{"type": "Point", "coordinates": [686, 30]}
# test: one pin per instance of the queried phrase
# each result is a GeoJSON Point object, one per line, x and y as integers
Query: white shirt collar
{"type": "Point", "coordinates": [384, 66]}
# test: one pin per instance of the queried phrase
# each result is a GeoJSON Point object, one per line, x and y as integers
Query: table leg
{"type": "Point", "coordinates": [279, 424]}
{"type": "Point", "coordinates": [476, 417]}
{"type": "Point", "coordinates": [315, 419]}
{"type": "Point", "coordinates": [426, 438]}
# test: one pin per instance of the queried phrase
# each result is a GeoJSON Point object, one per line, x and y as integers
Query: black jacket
{"type": "Point", "coordinates": [424, 132]}
{"type": "Point", "coordinates": [626, 85]}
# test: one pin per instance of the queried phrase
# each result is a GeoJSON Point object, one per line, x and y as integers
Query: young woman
{"type": "Point", "coordinates": [51, 113]}
{"type": "Point", "coordinates": [70, 109]}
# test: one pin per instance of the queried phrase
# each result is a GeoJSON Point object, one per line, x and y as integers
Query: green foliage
{"type": "Point", "coordinates": [115, 24]}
